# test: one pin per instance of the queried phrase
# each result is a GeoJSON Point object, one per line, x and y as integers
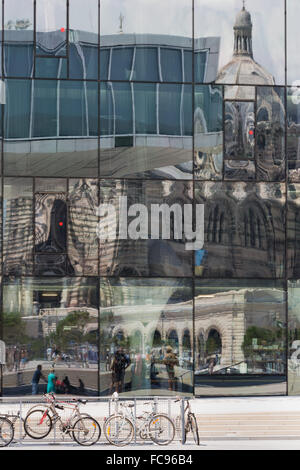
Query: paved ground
{"type": "Point", "coordinates": [234, 444]}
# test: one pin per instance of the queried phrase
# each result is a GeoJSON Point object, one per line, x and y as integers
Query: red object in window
{"type": "Point", "coordinates": [60, 224]}
{"type": "Point", "coordinates": [62, 30]}
{"type": "Point", "coordinates": [251, 132]}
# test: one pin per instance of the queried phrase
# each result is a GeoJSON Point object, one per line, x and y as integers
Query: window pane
{"type": "Point", "coordinates": [145, 108]}
{"type": "Point", "coordinates": [249, 356]}
{"type": "Point", "coordinates": [50, 320]}
{"type": "Point", "coordinates": [145, 154]}
{"type": "Point", "coordinates": [171, 65]}
{"type": "Point", "coordinates": [244, 233]}
{"type": "Point", "coordinates": [247, 42]}
{"type": "Point", "coordinates": [293, 231]}
{"type": "Point", "coordinates": [162, 252]}
{"type": "Point", "coordinates": [45, 108]}
{"type": "Point", "coordinates": [82, 226]}
{"type": "Point", "coordinates": [18, 226]}
{"type": "Point", "coordinates": [73, 119]}
{"type": "Point", "coordinates": [200, 66]}
{"type": "Point", "coordinates": [104, 63]}
{"type": "Point", "coordinates": [293, 134]}
{"type": "Point", "coordinates": [208, 132]}
{"type": "Point", "coordinates": [18, 38]}
{"type": "Point", "coordinates": [270, 134]}
{"type": "Point", "coordinates": [239, 140]}
{"type": "Point", "coordinates": [151, 320]}
{"type": "Point", "coordinates": [146, 64]}
{"type": "Point", "coordinates": [121, 63]}
{"type": "Point", "coordinates": [293, 342]}
{"type": "Point", "coordinates": [123, 108]}
{"type": "Point", "coordinates": [83, 24]}
{"type": "Point", "coordinates": [169, 109]}
{"type": "Point", "coordinates": [32, 146]}
{"type": "Point", "coordinates": [51, 27]}
{"type": "Point", "coordinates": [17, 109]}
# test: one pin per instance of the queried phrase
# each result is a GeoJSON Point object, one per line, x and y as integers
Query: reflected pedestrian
{"type": "Point", "coordinates": [51, 382]}
{"type": "Point", "coordinates": [36, 378]}
{"type": "Point", "coordinates": [170, 360]}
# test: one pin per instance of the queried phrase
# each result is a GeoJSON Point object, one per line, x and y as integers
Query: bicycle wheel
{"type": "Point", "coordinates": [6, 432]}
{"type": "Point", "coordinates": [86, 431]}
{"type": "Point", "coordinates": [38, 424]}
{"type": "Point", "coordinates": [194, 428]}
{"type": "Point", "coordinates": [161, 430]}
{"type": "Point", "coordinates": [118, 430]}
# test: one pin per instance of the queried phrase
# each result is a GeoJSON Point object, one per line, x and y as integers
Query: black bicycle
{"type": "Point", "coordinates": [7, 431]}
{"type": "Point", "coordinates": [190, 423]}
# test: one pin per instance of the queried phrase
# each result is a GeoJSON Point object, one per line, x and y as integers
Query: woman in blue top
{"type": "Point", "coordinates": [51, 382]}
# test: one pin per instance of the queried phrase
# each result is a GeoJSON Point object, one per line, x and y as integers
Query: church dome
{"type": "Point", "coordinates": [243, 19]}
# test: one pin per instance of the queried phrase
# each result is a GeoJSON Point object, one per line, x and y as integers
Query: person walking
{"type": "Point", "coordinates": [36, 378]}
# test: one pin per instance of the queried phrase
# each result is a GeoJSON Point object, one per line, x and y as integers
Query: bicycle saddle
{"type": "Point", "coordinates": [82, 401]}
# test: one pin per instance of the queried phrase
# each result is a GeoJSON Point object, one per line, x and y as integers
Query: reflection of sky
{"type": "Point", "coordinates": [51, 14]}
{"type": "Point", "coordinates": [147, 16]}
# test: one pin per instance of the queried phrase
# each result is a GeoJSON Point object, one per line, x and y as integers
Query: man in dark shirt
{"type": "Point", "coordinates": [36, 378]}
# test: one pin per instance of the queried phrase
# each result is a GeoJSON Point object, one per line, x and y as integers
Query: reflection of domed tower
{"type": "Point", "coordinates": [243, 69]}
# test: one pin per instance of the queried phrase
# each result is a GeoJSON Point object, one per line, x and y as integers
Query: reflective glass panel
{"type": "Point", "coordinates": [240, 337]}
{"type": "Point", "coordinates": [293, 134]}
{"type": "Point", "coordinates": [239, 140]}
{"type": "Point", "coordinates": [18, 226]}
{"type": "Point", "coordinates": [293, 231]}
{"type": "Point", "coordinates": [294, 337]}
{"type": "Point", "coordinates": [146, 130]}
{"type": "Point", "coordinates": [154, 231]}
{"type": "Point", "coordinates": [249, 40]}
{"type": "Point", "coordinates": [51, 27]}
{"type": "Point", "coordinates": [244, 233]}
{"type": "Point", "coordinates": [208, 132]}
{"type": "Point", "coordinates": [148, 323]}
{"type": "Point", "coordinates": [82, 226]}
{"type": "Point", "coordinates": [18, 38]}
{"type": "Point", "coordinates": [293, 42]}
{"type": "Point", "coordinates": [83, 24]}
{"type": "Point", "coordinates": [146, 40]}
{"type": "Point", "coordinates": [270, 134]}
{"type": "Point", "coordinates": [51, 128]}
{"type": "Point", "coordinates": [52, 323]}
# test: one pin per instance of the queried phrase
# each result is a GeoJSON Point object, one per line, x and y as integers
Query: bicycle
{"type": "Point", "coordinates": [119, 429]}
{"type": "Point", "coordinates": [6, 431]}
{"type": "Point", "coordinates": [13, 418]}
{"type": "Point", "coordinates": [190, 423]}
{"type": "Point", "coordinates": [83, 428]}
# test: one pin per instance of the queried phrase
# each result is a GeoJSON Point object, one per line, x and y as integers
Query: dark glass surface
{"type": "Point", "coordinates": [149, 321]}
{"type": "Point", "coordinates": [157, 254]}
{"type": "Point", "coordinates": [52, 322]}
{"type": "Point", "coordinates": [244, 233]}
{"type": "Point", "coordinates": [240, 337]}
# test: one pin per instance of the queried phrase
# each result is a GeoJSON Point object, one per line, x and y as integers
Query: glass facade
{"type": "Point", "coordinates": [150, 191]}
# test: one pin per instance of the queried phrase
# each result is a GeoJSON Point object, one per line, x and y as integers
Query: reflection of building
{"type": "Point", "coordinates": [243, 69]}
